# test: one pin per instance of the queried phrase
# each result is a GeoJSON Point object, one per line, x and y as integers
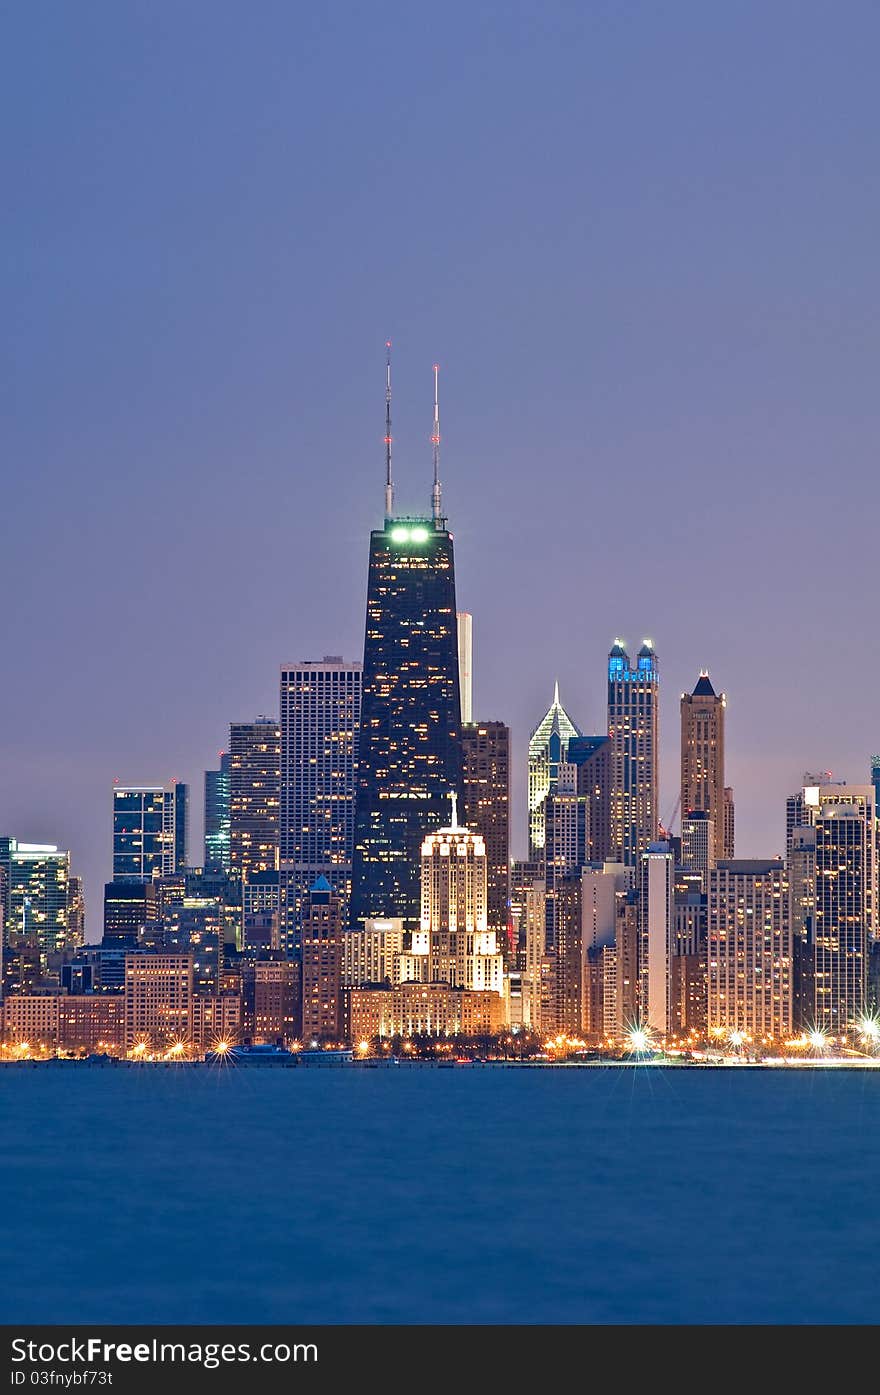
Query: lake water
{"type": "Point", "coordinates": [449, 1196]}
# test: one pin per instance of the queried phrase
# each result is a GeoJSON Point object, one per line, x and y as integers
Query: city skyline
{"type": "Point", "coordinates": [650, 286]}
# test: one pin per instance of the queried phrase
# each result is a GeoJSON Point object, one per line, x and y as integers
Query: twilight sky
{"type": "Point", "coordinates": [640, 239]}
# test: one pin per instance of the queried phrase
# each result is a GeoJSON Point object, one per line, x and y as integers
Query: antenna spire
{"type": "Point", "coordinates": [389, 487]}
{"type": "Point", "coordinates": [436, 506]}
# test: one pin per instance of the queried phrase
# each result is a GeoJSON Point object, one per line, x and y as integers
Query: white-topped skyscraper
{"type": "Point", "coordinates": [320, 723]}
{"type": "Point", "coordinates": [548, 749]}
{"type": "Point", "coordinates": [633, 711]}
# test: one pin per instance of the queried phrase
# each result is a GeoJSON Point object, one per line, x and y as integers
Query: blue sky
{"type": "Point", "coordinates": [641, 241]}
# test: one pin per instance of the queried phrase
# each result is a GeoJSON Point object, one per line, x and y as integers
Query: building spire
{"type": "Point", "coordinates": [389, 487]}
{"type": "Point", "coordinates": [436, 506]}
{"type": "Point", "coordinates": [454, 798]}
{"type": "Point", "coordinates": [556, 693]}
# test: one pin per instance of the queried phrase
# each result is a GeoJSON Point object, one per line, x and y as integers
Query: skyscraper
{"type": "Point", "coordinates": [454, 931]}
{"type": "Point", "coordinates": [320, 722]}
{"type": "Point", "coordinates": [181, 825]}
{"type": "Point", "coordinates": [698, 842]}
{"type": "Point", "coordinates": [633, 702]}
{"type": "Point", "coordinates": [409, 756]}
{"type": "Point", "coordinates": [322, 953]}
{"type": "Point", "coordinates": [486, 779]}
{"type": "Point", "coordinates": [548, 746]}
{"type": "Point", "coordinates": [702, 759]}
{"type": "Point", "coordinates": [146, 843]}
{"type": "Point", "coordinates": [656, 934]}
{"type": "Point", "coordinates": [36, 880]}
{"type": "Point", "coordinates": [217, 792]}
{"type": "Point", "coordinates": [750, 953]}
{"type": "Point", "coordinates": [254, 792]}
{"type": "Point", "coordinates": [843, 898]}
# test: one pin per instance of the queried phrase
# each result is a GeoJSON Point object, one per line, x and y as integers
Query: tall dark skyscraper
{"type": "Point", "coordinates": [410, 744]}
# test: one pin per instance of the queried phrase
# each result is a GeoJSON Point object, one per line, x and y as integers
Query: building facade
{"type": "Point", "coordinates": [750, 953]}
{"type": "Point", "coordinates": [149, 831]}
{"type": "Point", "coordinates": [702, 760]}
{"type": "Point", "coordinates": [409, 758]}
{"type": "Point", "coordinates": [633, 714]}
{"type": "Point", "coordinates": [254, 796]}
{"type": "Point", "coordinates": [320, 724]}
{"type": "Point", "coordinates": [217, 797]}
{"type": "Point", "coordinates": [548, 747]}
{"type": "Point", "coordinates": [322, 949]}
{"type": "Point", "coordinates": [486, 782]}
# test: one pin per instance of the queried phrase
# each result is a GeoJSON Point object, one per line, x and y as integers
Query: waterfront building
{"type": "Point", "coordinates": [633, 714]}
{"type": "Point", "coordinates": [322, 938]}
{"type": "Point", "coordinates": [423, 1009]}
{"type": "Point", "coordinates": [158, 999]}
{"type": "Point", "coordinates": [214, 1017]}
{"type": "Point", "coordinates": [843, 895]}
{"type": "Point", "coordinates": [461, 948]}
{"type": "Point", "coordinates": [656, 934]}
{"type": "Point", "coordinates": [320, 722]}
{"type": "Point", "coordinates": [277, 1000]}
{"type": "Point", "coordinates": [702, 761]}
{"type": "Point", "coordinates": [217, 855]}
{"type": "Point", "coordinates": [372, 955]}
{"type": "Point", "coordinates": [254, 794]}
{"type": "Point", "coordinates": [750, 952]}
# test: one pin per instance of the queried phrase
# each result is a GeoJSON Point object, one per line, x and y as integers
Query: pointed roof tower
{"type": "Point", "coordinates": [704, 687]}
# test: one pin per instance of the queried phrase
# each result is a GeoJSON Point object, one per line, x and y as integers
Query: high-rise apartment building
{"type": "Point", "coordinates": [36, 880]}
{"type": "Point", "coordinates": [320, 723]}
{"type": "Point", "coordinates": [158, 999]}
{"type": "Point", "coordinates": [633, 703]}
{"type": "Point", "coordinates": [486, 781]}
{"type": "Point", "coordinates": [149, 831]}
{"type": "Point", "coordinates": [217, 796]}
{"type": "Point", "coordinates": [750, 951]}
{"type": "Point", "coordinates": [702, 759]}
{"type": "Point", "coordinates": [656, 934]}
{"type": "Point", "coordinates": [840, 907]}
{"type": "Point", "coordinates": [254, 794]}
{"type": "Point", "coordinates": [409, 758]}
{"type": "Point", "coordinates": [698, 841]}
{"type": "Point", "coordinates": [322, 951]}
{"type": "Point", "coordinates": [277, 1000]}
{"type": "Point", "coordinates": [548, 747]}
